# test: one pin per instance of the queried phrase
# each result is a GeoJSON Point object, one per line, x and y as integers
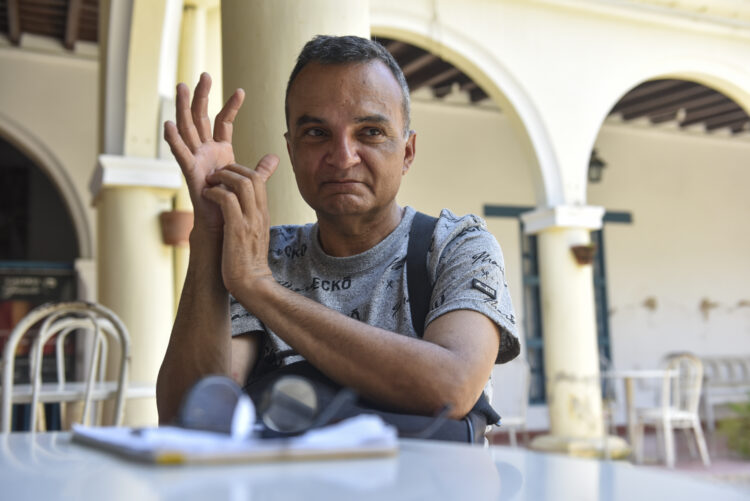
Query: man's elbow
{"type": "Point", "coordinates": [164, 403]}
{"type": "Point", "coordinates": [460, 394]}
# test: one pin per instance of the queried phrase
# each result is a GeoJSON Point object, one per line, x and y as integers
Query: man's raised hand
{"type": "Point", "coordinates": [197, 151]}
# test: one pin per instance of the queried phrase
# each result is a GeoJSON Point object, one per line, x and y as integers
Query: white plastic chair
{"type": "Point", "coordinates": [61, 319]}
{"type": "Point", "coordinates": [680, 398]}
{"type": "Point", "coordinates": [510, 397]}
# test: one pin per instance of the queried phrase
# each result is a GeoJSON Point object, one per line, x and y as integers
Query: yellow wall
{"type": "Point", "coordinates": [689, 240]}
{"type": "Point", "coordinates": [52, 98]}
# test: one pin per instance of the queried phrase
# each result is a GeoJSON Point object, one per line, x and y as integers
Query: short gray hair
{"type": "Point", "coordinates": [324, 49]}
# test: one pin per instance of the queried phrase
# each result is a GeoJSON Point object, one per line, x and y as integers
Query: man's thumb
{"type": "Point", "coordinates": [267, 166]}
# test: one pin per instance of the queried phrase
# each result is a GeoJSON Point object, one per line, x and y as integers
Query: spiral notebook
{"type": "Point", "coordinates": [361, 436]}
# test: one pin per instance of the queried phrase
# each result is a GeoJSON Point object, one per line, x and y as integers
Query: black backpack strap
{"type": "Point", "coordinates": [417, 281]}
{"type": "Point", "coordinates": [420, 291]}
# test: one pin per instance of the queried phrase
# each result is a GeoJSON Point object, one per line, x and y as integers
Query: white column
{"type": "Point", "coordinates": [131, 187]}
{"type": "Point", "coordinates": [134, 267]}
{"type": "Point", "coordinates": [261, 40]}
{"type": "Point", "coordinates": [190, 64]}
{"type": "Point", "coordinates": [571, 356]}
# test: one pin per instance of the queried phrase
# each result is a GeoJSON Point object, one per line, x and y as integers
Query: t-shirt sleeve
{"type": "Point", "coordinates": [469, 274]}
{"type": "Point", "coordinates": [242, 321]}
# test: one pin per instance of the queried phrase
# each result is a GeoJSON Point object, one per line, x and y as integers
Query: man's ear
{"type": "Point", "coordinates": [410, 150]}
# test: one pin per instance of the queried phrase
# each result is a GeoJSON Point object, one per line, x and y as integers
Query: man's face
{"type": "Point", "coordinates": [346, 138]}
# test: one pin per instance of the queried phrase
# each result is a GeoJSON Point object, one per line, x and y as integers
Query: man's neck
{"type": "Point", "coordinates": [342, 236]}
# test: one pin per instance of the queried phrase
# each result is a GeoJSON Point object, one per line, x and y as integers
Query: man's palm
{"type": "Point", "coordinates": [197, 151]}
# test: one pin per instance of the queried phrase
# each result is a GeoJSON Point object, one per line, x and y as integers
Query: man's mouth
{"type": "Point", "coordinates": [341, 181]}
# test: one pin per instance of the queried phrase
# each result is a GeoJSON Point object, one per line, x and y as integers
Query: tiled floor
{"type": "Point", "coordinates": [727, 466]}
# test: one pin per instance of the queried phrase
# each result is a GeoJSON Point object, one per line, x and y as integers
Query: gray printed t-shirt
{"type": "Point", "coordinates": [465, 268]}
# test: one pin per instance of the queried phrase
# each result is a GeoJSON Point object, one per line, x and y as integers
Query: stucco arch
{"type": "Point", "coordinates": [37, 151]}
{"type": "Point", "coordinates": [497, 82]}
{"type": "Point", "coordinates": [717, 75]}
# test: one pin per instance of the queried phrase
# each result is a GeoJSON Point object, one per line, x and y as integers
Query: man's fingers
{"type": "Point", "coordinates": [249, 185]}
{"type": "Point", "coordinates": [267, 166]}
{"type": "Point", "coordinates": [180, 151]}
{"type": "Point", "coordinates": [184, 117]}
{"type": "Point", "coordinates": [239, 180]}
{"type": "Point", "coordinates": [227, 202]}
{"type": "Point", "coordinates": [199, 108]}
{"type": "Point", "coordinates": [225, 118]}
{"type": "Point", "coordinates": [265, 169]}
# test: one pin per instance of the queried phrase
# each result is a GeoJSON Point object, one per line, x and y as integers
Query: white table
{"type": "Point", "coordinates": [629, 376]}
{"type": "Point", "coordinates": [47, 466]}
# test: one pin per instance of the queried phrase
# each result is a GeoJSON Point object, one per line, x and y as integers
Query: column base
{"type": "Point", "coordinates": [609, 447]}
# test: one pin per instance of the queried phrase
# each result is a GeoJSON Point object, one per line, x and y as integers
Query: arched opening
{"type": "Point", "coordinates": [484, 79]}
{"type": "Point", "coordinates": [38, 247]}
{"type": "Point", "coordinates": [35, 224]}
{"type": "Point", "coordinates": [675, 150]}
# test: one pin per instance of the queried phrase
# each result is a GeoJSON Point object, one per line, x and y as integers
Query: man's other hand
{"type": "Point", "coordinates": [240, 193]}
{"type": "Point", "coordinates": [197, 151]}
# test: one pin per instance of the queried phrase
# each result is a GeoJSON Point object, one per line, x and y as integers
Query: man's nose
{"type": "Point", "coordinates": [344, 153]}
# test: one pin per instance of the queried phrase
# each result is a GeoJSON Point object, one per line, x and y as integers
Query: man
{"type": "Point", "coordinates": [333, 293]}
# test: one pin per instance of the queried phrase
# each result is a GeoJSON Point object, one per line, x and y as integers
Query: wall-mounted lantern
{"type": "Point", "coordinates": [596, 166]}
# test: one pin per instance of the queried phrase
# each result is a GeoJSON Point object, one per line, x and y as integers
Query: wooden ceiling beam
{"type": "Point", "coordinates": [666, 116]}
{"type": "Point", "coordinates": [72, 23]}
{"type": "Point", "coordinates": [477, 94]}
{"type": "Point", "coordinates": [706, 112]}
{"type": "Point", "coordinates": [50, 10]}
{"type": "Point", "coordinates": [690, 105]}
{"type": "Point", "coordinates": [395, 47]}
{"type": "Point", "coordinates": [723, 119]}
{"type": "Point", "coordinates": [60, 4]}
{"type": "Point", "coordinates": [644, 91]}
{"type": "Point", "coordinates": [14, 22]}
{"type": "Point", "coordinates": [698, 103]}
{"type": "Point", "coordinates": [439, 78]}
{"type": "Point", "coordinates": [32, 25]}
{"type": "Point", "coordinates": [418, 63]}
{"type": "Point", "coordinates": [666, 102]}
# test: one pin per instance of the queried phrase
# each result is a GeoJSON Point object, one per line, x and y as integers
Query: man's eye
{"type": "Point", "coordinates": [314, 132]}
{"type": "Point", "coordinates": [373, 131]}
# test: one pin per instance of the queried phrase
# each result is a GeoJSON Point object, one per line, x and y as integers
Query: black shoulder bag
{"type": "Point", "coordinates": [469, 429]}
{"type": "Point", "coordinates": [420, 291]}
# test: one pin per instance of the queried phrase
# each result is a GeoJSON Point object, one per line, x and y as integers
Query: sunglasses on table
{"type": "Point", "coordinates": [290, 406]}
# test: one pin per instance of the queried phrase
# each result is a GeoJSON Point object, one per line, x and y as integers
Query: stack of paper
{"type": "Point", "coordinates": [361, 436]}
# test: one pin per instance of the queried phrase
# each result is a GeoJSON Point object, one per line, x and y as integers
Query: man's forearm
{"type": "Point", "coordinates": [406, 373]}
{"type": "Point", "coordinates": [200, 340]}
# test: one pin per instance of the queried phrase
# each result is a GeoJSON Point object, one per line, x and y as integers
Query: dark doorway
{"type": "Point", "coordinates": [35, 224]}
{"type": "Point", "coordinates": [38, 248]}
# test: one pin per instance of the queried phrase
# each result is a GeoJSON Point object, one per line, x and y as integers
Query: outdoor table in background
{"type": "Point", "coordinates": [49, 466]}
{"type": "Point", "coordinates": [629, 376]}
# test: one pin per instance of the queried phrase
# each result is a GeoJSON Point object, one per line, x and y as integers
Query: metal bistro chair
{"type": "Point", "coordinates": [61, 319]}
{"type": "Point", "coordinates": [511, 398]}
{"type": "Point", "coordinates": [680, 398]}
